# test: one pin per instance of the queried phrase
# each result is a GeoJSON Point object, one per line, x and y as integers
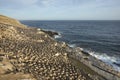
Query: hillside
{"type": "Point", "coordinates": [10, 21]}
{"type": "Point", "coordinates": [33, 54]}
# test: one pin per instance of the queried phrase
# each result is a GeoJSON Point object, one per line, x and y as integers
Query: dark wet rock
{"type": "Point", "coordinates": [118, 64]}
{"type": "Point", "coordinates": [86, 53]}
{"type": "Point", "coordinates": [50, 33]}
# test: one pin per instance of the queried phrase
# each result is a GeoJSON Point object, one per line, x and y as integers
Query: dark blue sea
{"type": "Point", "coordinates": [99, 38]}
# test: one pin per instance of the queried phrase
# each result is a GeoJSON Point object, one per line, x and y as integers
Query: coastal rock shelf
{"type": "Point", "coordinates": [35, 54]}
{"type": "Point", "coordinates": [97, 65]}
{"type": "Point", "coordinates": [28, 53]}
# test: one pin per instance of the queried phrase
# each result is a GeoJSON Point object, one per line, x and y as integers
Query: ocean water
{"type": "Point", "coordinates": [100, 39]}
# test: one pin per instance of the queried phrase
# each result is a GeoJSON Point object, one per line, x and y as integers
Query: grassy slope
{"type": "Point", "coordinates": [7, 20]}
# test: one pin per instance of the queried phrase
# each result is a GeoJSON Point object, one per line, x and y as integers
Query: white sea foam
{"type": "Point", "coordinates": [81, 49]}
{"type": "Point", "coordinates": [107, 59]}
{"type": "Point", "coordinates": [57, 36]}
{"type": "Point", "coordinates": [110, 60]}
{"type": "Point", "coordinates": [72, 45]}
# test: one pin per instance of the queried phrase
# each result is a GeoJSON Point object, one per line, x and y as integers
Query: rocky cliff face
{"type": "Point", "coordinates": [30, 53]}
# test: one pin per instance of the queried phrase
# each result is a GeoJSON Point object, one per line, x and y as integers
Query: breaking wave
{"type": "Point", "coordinates": [110, 60]}
{"type": "Point", "coordinates": [57, 36]}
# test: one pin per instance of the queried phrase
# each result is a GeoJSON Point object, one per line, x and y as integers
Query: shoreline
{"type": "Point", "coordinates": [88, 53]}
{"type": "Point", "coordinates": [95, 64]}
{"type": "Point", "coordinates": [35, 52]}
